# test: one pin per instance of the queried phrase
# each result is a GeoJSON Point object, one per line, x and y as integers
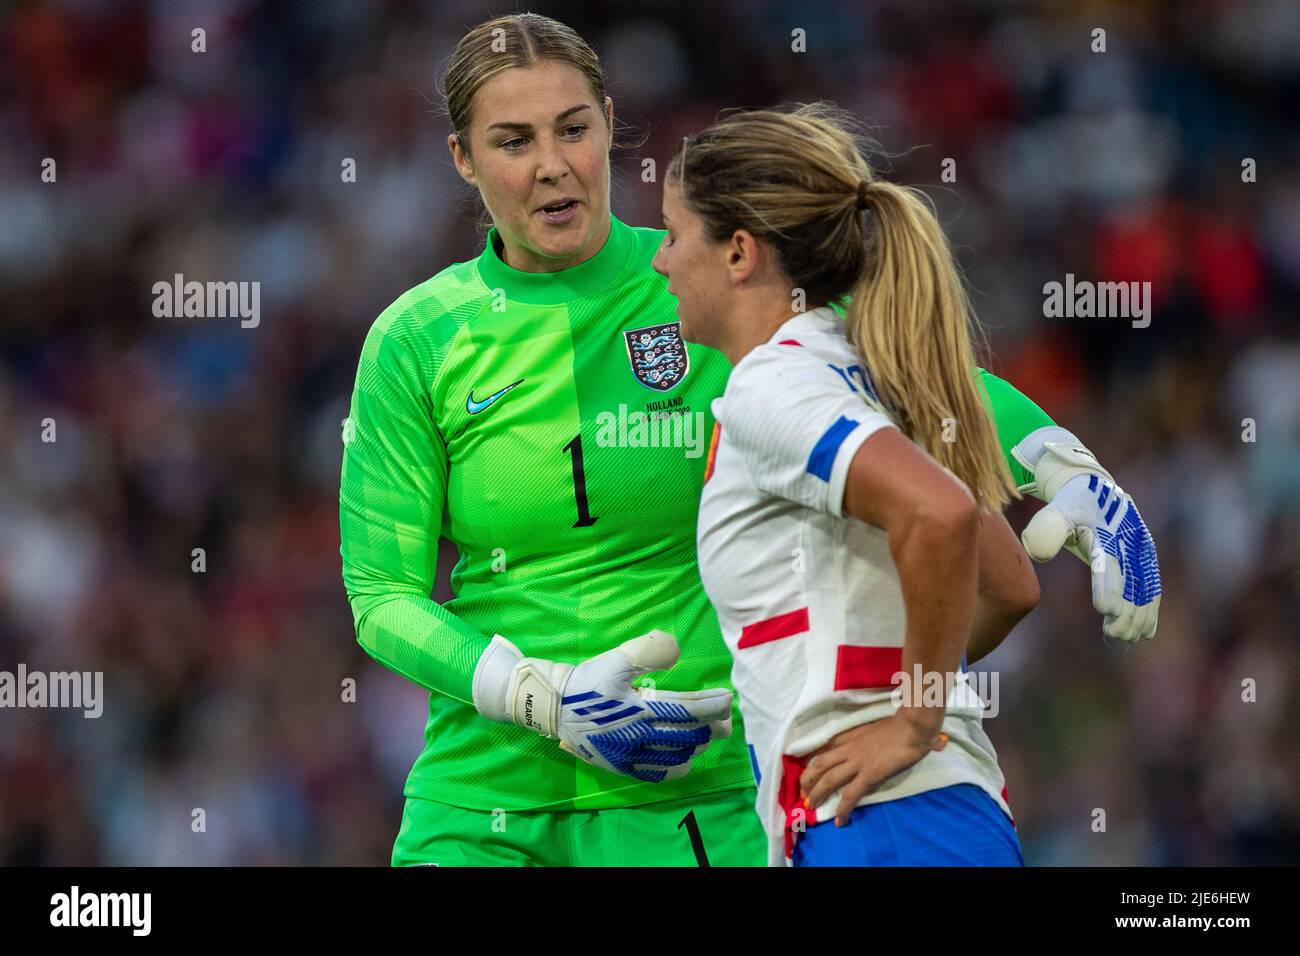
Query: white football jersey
{"type": "Point", "coordinates": [808, 598]}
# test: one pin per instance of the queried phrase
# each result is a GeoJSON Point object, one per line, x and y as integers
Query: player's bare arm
{"type": "Point", "coordinates": [933, 527]}
{"type": "Point", "coordinates": [1008, 586]}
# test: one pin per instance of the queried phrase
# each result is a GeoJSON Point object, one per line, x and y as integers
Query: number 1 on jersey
{"type": "Point", "coordinates": [585, 520]}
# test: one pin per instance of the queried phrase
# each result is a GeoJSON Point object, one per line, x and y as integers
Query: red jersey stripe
{"type": "Point", "coordinates": [789, 798]}
{"type": "Point", "coordinates": [774, 628]}
{"type": "Point", "coordinates": [859, 667]}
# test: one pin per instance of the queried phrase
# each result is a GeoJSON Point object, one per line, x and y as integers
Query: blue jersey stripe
{"type": "Point", "coordinates": [822, 458]}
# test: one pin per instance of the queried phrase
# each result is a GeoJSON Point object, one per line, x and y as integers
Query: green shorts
{"type": "Point", "coordinates": [724, 830]}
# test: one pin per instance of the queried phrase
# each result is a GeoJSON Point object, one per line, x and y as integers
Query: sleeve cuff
{"type": "Point", "coordinates": [844, 459]}
{"type": "Point", "coordinates": [492, 675]}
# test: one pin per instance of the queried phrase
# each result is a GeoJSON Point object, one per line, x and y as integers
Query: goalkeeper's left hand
{"type": "Point", "coordinates": [596, 713]}
{"type": "Point", "coordinates": [1091, 516]}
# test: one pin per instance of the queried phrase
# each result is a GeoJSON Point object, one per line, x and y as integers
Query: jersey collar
{"type": "Point", "coordinates": [815, 319]}
{"type": "Point", "coordinates": [553, 288]}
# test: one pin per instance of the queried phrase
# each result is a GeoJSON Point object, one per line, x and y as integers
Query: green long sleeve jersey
{"type": "Point", "coordinates": [555, 427]}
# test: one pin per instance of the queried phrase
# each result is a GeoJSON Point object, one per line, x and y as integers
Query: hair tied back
{"type": "Point", "coordinates": [863, 188]}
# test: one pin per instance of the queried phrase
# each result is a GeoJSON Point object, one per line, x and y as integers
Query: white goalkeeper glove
{"type": "Point", "coordinates": [1092, 517]}
{"type": "Point", "coordinates": [596, 713]}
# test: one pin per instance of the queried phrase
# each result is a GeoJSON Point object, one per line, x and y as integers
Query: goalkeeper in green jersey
{"type": "Point", "coordinates": [538, 407]}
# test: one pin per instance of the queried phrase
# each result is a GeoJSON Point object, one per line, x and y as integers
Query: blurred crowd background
{"type": "Point", "coordinates": [223, 688]}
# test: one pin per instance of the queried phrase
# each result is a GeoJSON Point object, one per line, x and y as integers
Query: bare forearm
{"type": "Point", "coordinates": [1008, 587]}
{"type": "Point", "coordinates": [991, 624]}
{"type": "Point", "coordinates": [932, 524]}
{"type": "Point", "coordinates": [938, 569]}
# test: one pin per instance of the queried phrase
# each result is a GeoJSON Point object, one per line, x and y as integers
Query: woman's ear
{"type": "Point", "coordinates": [461, 158]}
{"type": "Point", "coordinates": [742, 255]}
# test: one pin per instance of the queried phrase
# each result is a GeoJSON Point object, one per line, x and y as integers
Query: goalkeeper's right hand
{"type": "Point", "coordinates": [597, 714]}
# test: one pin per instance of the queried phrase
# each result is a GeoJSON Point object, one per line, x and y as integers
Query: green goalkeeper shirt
{"type": "Point", "coordinates": [555, 428]}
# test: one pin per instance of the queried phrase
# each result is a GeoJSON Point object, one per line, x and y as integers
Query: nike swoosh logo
{"type": "Point", "coordinates": [474, 407]}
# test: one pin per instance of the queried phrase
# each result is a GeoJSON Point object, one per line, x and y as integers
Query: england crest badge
{"type": "Point", "coordinates": [658, 355]}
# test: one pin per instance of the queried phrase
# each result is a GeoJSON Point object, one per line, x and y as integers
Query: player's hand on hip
{"type": "Point", "coordinates": [862, 758]}
{"type": "Point", "coordinates": [1098, 522]}
{"type": "Point", "coordinates": [596, 713]}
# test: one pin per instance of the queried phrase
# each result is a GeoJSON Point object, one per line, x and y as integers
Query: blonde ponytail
{"type": "Point", "coordinates": [798, 178]}
{"type": "Point", "coordinates": [912, 323]}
